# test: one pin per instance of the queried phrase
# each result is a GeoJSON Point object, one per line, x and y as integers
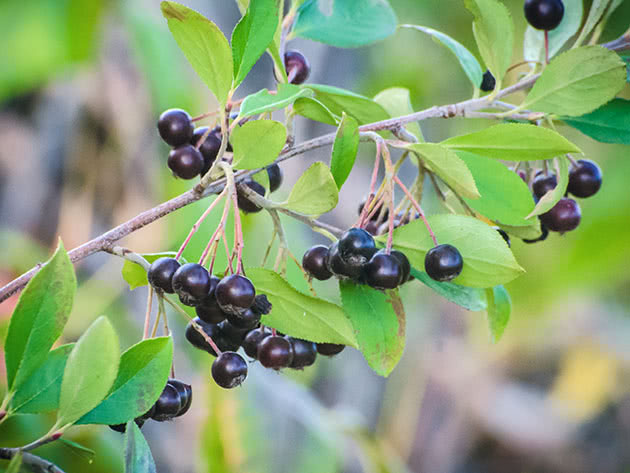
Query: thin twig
{"type": "Point", "coordinates": [32, 462]}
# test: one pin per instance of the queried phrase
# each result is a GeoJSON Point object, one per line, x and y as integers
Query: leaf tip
{"type": "Point", "coordinates": [172, 10]}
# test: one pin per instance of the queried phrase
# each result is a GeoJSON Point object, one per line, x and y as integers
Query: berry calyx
{"type": "Point", "coordinates": [563, 217]}
{"type": "Point", "coordinates": [275, 177]}
{"type": "Point", "coordinates": [297, 67]}
{"type": "Point", "coordinates": [175, 127]}
{"type": "Point", "coordinates": [488, 82]}
{"type": "Point", "coordinates": [160, 274]}
{"type": "Point", "coordinates": [383, 271]}
{"type": "Point", "coordinates": [356, 246]}
{"type": "Point", "coordinates": [275, 352]}
{"type": "Point", "coordinates": [314, 262]}
{"type": "Point", "coordinates": [168, 404]}
{"type": "Point", "coordinates": [329, 349]}
{"type": "Point", "coordinates": [304, 353]}
{"type": "Point", "coordinates": [544, 14]}
{"type": "Point", "coordinates": [232, 334]}
{"type": "Point", "coordinates": [185, 161]}
{"type": "Point", "coordinates": [252, 340]}
{"type": "Point", "coordinates": [244, 203]}
{"type": "Point", "coordinates": [229, 370]}
{"type": "Point", "coordinates": [443, 263]}
{"type": "Point", "coordinates": [192, 283]}
{"type": "Point", "coordinates": [585, 179]}
{"type": "Point", "coordinates": [338, 266]}
{"type": "Point", "coordinates": [543, 183]}
{"type": "Point", "coordinates": [209, 148]}
{"type": "Point", "coordinates": [235, 294]}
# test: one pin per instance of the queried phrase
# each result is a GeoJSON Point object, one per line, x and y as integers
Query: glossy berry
{"type": "Point", "coordinates": [543, 236]}
{"type": "Point", "coordinates": [235, 294]}
{"type": "Point", "coordinates": [383, 271]}
{"type": "Point", "coordinates": [231, 334]}
{"type": "Point", "coordinates": [229, 370]}
{"type": "Point", "coordinates": [185, 395]}
{"type": "Point", "coordinates": [209, 148]}
{"type": "Point", "coordinates": [489, 82]}
{"type": "Point", "coordinates": [247, 319]}
{"type": "Point", "coordinates": [208, 309]}
{"type": "Point", "coordinates": [175, 127]}
{"type": "Point", "coordinates": [160, 274]}
{"type": "Point", "coordinates": [405, 266]}
{"type": "Point", "coordinates": [214, 332]}
{"type": "Point", "coordinates": [252, 340]}
{"type": "Point", "coordinates": [192, 283]}
{"type": "Point", "coordinates": [585, 179]}
{"type": "Point", "coordinates": [216, 131]}
{"type": "Point", "coordinates": [297, 67]}
{"type": "Point", "coordinates": [356, 246]}
{"type": "Point", "coordinates": [168, 404]}
{"type": "Point", "coordinates": [304, 353]}
{"type": "Point", "coordinates": [504, 235]}
{"type": "Point", "coordinates": [544, 14]}
{"type": "Point", "coordinates": [543, 183]}
{"type": "Point", "coordinates": [563, 217]}
{"type": "Point", "coordinates": [275, 352]}
{"type": "Point", "coordinates": [443, 263]}
{"type": "Point", "coordinates": [185, 161]}
{"type": "Point", "coordinates": [275, 177]}
{"type": "Point", "coordinates": [314, 262]}
{"type": "Point", "coordinates": [244, 203]}
{"type": "Point", "coordinates": [329, 349]}
{"type": "Point", "coordinates": [338, 266]}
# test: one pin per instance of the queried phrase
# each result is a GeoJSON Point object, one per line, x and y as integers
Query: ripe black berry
{"type": "Point", "coordinates": [314, 262]}
{"type": "Point", "coordinates": [208, 309]}
{"type": "Point", "coordinates": [275, 352]}
{"type": "Point", "coordinates": [405, 266]}
{"type": "Point", "coordinates": [231, 334]}
{"type": "Point", "coordinates": [443, 263]}
{"type": "Point", "coordinates": [229, 370]}
{"type": "Point", "coordinates": [489, 82]}
{"type": "Point", "coordinates": [160, 274]}
{"type": "Point", "coordinates": [235, 294]}
{"type": "Point", "coordinates": [383, 271]}
{"type": "Point", "coordinates": [247, 319]}
{"type": "Point", "coordinates": [329, 349]}
{"type": "Point", "coordinates": [252, 340]}
{"type": "Point", "coordinates": [185, 395]}
{"type": "Point", "coordinates": [209, 148]}
{"type": "Point", "coordinates": [175, 127]}
{"type": "Point", "coordinates": [214, 332]}
{"type": "Point", "coordinates": [216, 131]}
{"type": "Point", "coordinates": [338, 266]}
{"type": "Point", "coordinates": [544, 14]}
{"type": "Point", "coordinates": [275, 177]}
{"type": "Point", "coordinates": [192, 283]}
{"type": "Point", "coordinates": [185, 161]}
{"type": "Point", "coordinates": [304, 353]}
{"type": "Point", "coordinates": [168, 404]}
{"type": "Point", "coordinates": [543, 183]}
{"type": "Point", "coordinates": [563, 217]}
{"type": "Point", "coordinates": [297, 67]}
{"type": "Point", "coordinates": [543, 236]}
{"type": "Point", "coordinates": [356, 246]}
{"type": "Point", "coordinates": [585, 179]}
{"type": "Point", "coordinates": [244, 203]}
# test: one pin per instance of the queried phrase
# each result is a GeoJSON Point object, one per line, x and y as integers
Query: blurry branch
{"type": "Point", "coordinates": [32, 462]}
{"type": "Point", "coordinates": [620, 44]}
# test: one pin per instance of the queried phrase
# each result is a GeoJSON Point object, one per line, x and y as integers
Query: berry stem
{"type": "Point", "coordinates": [167, 332]}
{"type": "Point", "coordinates": [269, 246]}
{"type": "Point", "coordinates": [229, 255]}
{"type": "Point", "coordinates": [156, 323]}
{"type": "Point", "coordinates": [216, 235]}
{"type": "Point", "coordinates": [204, 115]}
{"type": "Point", "coordinates": [546, 46]}
{"type": "Point", "coordinates": [238, 229]}
{"type": "Point", "coordinates": [147, 317]}
{"type": "Point", "coordinates": [418, 209]}
{"type": "Point", "coordinates": [371, 196]}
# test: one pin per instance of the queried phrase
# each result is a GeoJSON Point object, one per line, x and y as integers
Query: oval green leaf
{"type": "Point", "coordinates": [344, 151]}
{"type": "Point", "coordinates": [262, 101]}
{"type": "Point", "coordinates": [470, 298]}
{"type": "Point", "coordinates": [397, 102]}
{"type": "Point", "coordinates": [552, 197]}
{"type": "Point", "coordinates": [499, 309]}
{"type": "Point", "coordinates": [315, 110]}
{"type": "Point", "coordinates": [363, 109]}
{"type": "Point", "coordinates": [138, 457]}
{"type": "Point", "coordinates": [610, 123]}
{"type": "Point", "coordinates": [315, 192]}
{"type": "Point", "coordinates": [257, 143]}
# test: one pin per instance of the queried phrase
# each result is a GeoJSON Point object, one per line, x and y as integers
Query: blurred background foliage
{"type": "Point", "coordinates": [81, 85]}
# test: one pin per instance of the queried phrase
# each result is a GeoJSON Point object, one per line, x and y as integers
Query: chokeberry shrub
{"type": "Point", "coordinates": [514, 180]}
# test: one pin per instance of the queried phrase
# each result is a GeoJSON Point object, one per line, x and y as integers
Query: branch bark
{"type": "Point", "coordinates": [32, 462]}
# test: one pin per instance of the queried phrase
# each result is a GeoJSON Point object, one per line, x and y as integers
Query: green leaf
{"type": "Point", "coordinates": [487, 259]}
{"type": "Point", "coordinates": [445, 163]}
{"type": "Point", "coordinates": [315, 192]}
{"type": "Point", "coordinates": [610, 123]}
{"type": "Point", "coordinates": [39, 318]}
{"type": "Point", "coordinates": [363, 109]}
{"type": "Point", "coordinates": [534, 44]}
{"type": "Point", "coordinates": [531, 232]}
{"type": "Point", "coordinates": [344, 150]}
{"type": "Point", "coordinates": [138, 458]}
{"type": "Point", "coordinates": [142, 374]}
{"type": "Point", "coordinates": [299, 315]}
{"type": "Point", "coordinates": [82, 451]}
{"type": "Point", "coordinates": [15, 464]}
{"type": "Point", "coordinates": [40, 392]}
{"type": "Point", "coordinates": [345, 24]}
{"type": "Point", "coordinates": [505, 198]}
{"type": "Point", "coordinates": [494, 33]}
{"type": "Point", "coordinates": [262, 101]}
{"type": "Point", "coordinates": [577, 82]}
{"type": "Point", "coordinates": [499, 309]}
{"type": "Point", "coordinates": [204, 45]}
{"type": "Point", "coordinates": [257, 143]}
{"type": "Point", "coordinates": [378, 319]}
{"type": "Point", "coordinates": [598, 7]}
{"type": "Point", "coordinates": [314, 110]}
{"type": "Point", "coordinates": [513, 142]}
{"type": "Point", "coordinates": [552, 197]}
{"type": "Point", "coordinates": [396, 101]}
{"type": "Point", "coordinates": [135, 275]}
{"type": "Point", "coordinates": [468, 62]}
{"type": "Point", "coordinates": [470, 298]}
{"type": "Point", "coordinates": [252, 35]}
{"type": "Point", "coordinates": [90, 372]}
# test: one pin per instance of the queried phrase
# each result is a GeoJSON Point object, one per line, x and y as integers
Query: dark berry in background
{"type": "Point", "coordinates": [252, 340]}
{"type": "Point", "coordinates": [160, 274]}
{"type": "Point", "coordinates": [304, 353]}
{"type": "Point", "coordinates": [329, 349]}
{"type": "Point", "coordinates": [544, 14]}
{"type": "Point", "coordinates": [244, 203]}
{"type": "Point", "coordinates": [214, 331]}
{"type": "Point", "coordinates": [488, 82]}
{"type": "Point", "coordinates": [185, 395]}
{"type": "Point", "coordinates": [275, 177]}
{"type": "Point", "coordinates": [185, 162]}
{"type": "Point", "coordinates": [175, 127]}
{"type": "Point", "coordinates": [247, 319]}
{"type": "Point", "coordinates": [563, 217]}
{"type": "Point", "coordinates": [209, 147]}
{"type": "Point", "coordinates": [443, 263]}
{"type": "Point", "coordinates": [296, 65]}
{"type": "Point", "coordinates": [208, 309]}
{"type": "Point", "coordinates": [229, 370]}
{"type": "Point", "coordinates": [168, 404]}
{"type": "Point", "coordinates": [543, 183]}
{"type": "Point", "coordinates": [314, 262]}
{"type": "Point", "coordinates": [585, 179]}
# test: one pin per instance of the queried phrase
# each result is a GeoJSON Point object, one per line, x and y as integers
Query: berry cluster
{"type": "Point", "coordinates": [174, 401]}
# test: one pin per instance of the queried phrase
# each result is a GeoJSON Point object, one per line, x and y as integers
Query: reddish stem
{"type": "Point", "coordinates": [219, 229]}
{"type": "Point", "coordinates": [368, 202]}
{"type": "Point", "coordinates": [546, 47]}
{"type": "Point", "coordinates": [228, 255]}
{"type": "Point", "coordinates": [204, 115]}
{"type": "Point", "coordinates": [206, 337]}
{"type": "Point", "coordinates": [238, 234]}
{"type": "Point", "coordinates": [390, 234]}
{"type": "Point", "coordinates": [417, 207]}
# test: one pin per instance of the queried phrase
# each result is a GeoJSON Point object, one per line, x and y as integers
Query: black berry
{"type": "Point", "coordinates": [192, 283]}
{"type": "Point", "coordinates": [304, 353]}
{"type": "Point", "coordinates": [356, 246]}
{"type": "Point", "coordinates": [216, 131]}
{"type": "Point", "coordinates": [168, 404]}
{"type": "Point", "coordinates": [543, 236]}
{"type": "Point", "coordinates": [235, 294]}
{"type": "Point", "coordinates": [252, 340]}
{"type": "Point", "coordinates": [244, 203]}
{"type": "Point", "coordinates": [488, 82]}
{"type": "Point", "coordinates": [275, 177]}
{"type": "Point", "coordinates": [208, 309]}
{"type": "Point", "coordinates": [383, 271]}
{"type": "Point", "coordinates": [329, 349]}
{"type": "Point", "coordinates": [297, 67]}
{"type": "Point", "coordinates": [214, 331]}
{"type": "Point", "coordinates": [185, 395]}
{"type": "Point", "coordinates": [175, 127]}
{"type": "Point", "coordinates": [585, 179]}
{"type": "Point", "coordinates": [275, 352]}
{"type": "Point", "coordinates": [405, 266]}
{"type": "Point", "coordinates": [160, 274]}
{"type": "Point", "coordinates": [185, 161]}
{"type": "Point", "coordinates": [543, 183]}
{"type": "Point", "coordinates": [247, 319]}
{"type": "Point", "coordinates": [209, 148]}
{"type": "Point", "coordinates": [338, 266]}
{"type": "Point", "coordinates": [231, 334]}
{"type": "Point", "coordinates": [544, 14]}
{"type": "Point", "coordinates": [443, 263]}
{"type": "Point", "coordinates": [563, 217]}
{"type": "Point", "coordinates": [314, 262]}
{"type": "Point", "coordinates": [229, 370]}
